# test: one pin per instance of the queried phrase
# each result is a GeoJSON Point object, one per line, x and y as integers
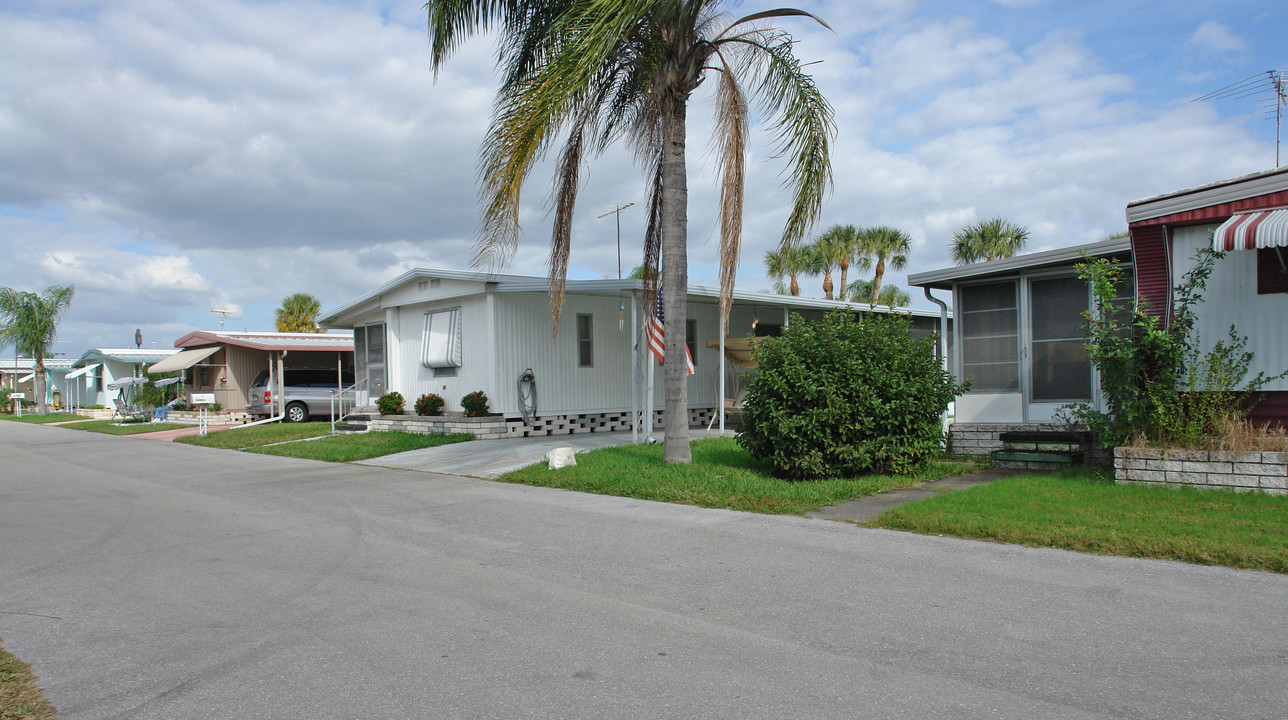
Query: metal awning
{"type": "Point", "coordinates": [25, 378]}
{"type": "Point", "coordinates": [81, 371]}
{"type": "Point", "coordinates": [183, 360]}
{"type": "Point", "coordinates": [1252, 230]}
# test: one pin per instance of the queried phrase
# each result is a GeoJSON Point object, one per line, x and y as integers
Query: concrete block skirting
{"type": "Point", "coordinates": [1239, 471]}
{"type": "Point", "coordinates": [496, 427]}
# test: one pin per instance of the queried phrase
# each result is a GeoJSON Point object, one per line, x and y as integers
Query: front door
{"type": "Point", "coordinates": [1059, 371]}
{"type": "Point", "coordinates": [369, 361]}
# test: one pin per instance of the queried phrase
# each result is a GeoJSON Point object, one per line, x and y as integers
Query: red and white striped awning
{"type": "Point", "coordinates": [1252, 230]}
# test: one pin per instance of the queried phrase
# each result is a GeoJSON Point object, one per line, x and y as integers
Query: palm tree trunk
{"type": "Point", "coordinates": [876, 279]}
{"type": "Point", "coordinates": [827, 285]}
{"type": "Point", "coordinates": [675, 284]}
{"type": "Point", "coordinates": [845, 271]}
{"type": "Point", "coordinates": [38, 385]}
{"type": "Point", "coordinates": [795, 286]}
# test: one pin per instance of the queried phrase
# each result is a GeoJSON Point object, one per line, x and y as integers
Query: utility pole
{"type": "Point", "coordinates": [618, 212]}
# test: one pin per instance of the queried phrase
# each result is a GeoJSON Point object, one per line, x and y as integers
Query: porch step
{"type": "Point", "coordinates": [1042, 450]}
{"type": "Point", "coordinates": [355, 423]}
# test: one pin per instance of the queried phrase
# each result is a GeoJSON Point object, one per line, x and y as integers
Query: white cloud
{"type": "Point", "coordinates": [1217, 38]}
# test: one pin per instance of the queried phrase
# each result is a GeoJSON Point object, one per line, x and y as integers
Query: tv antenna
{"type": "Point", "coordinates": [618, 212]}
{"type": "Point", "coordinates": [1267, 89]}
{"type": "Point", "coordinates": [222, 314]}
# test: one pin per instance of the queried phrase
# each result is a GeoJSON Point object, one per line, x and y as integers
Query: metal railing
{"type": "Point", "coordinates": [338, 413]}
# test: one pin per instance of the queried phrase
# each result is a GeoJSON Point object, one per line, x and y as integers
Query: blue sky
{"type": "Point", "coordinates": [173, 157]}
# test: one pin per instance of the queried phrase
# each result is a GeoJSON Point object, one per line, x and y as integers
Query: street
{"type": "Point", "coordinates": [154, 580]}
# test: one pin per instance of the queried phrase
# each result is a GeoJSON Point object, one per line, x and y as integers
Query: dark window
{"type": "Point", "coordinates": [691, 339]}
{"type": "Point", "coordinates": [1272, 271]}
{"type": "Point", "coordinates": [585, 340]}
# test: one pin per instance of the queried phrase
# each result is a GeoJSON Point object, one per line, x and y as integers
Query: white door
{"type": "Point", "coordinates": [1058, 371]}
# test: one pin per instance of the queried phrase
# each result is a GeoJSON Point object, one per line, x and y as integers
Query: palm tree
{"type": "Point", "coordinates": [30, 325]}
{"type": "Point", "coordinates": [988, 240]}
{"type": "Point", "coordinates": [892, 295]}
{"type": "Point", "coordinates": [592, 72]}
{"type": "Point", "coordinates": [299, 313]}
{"type": "Point", "coordinates": [884, 244]}
{"type": "Point", "coordinates": [838, 245]}
{"type": "Point", "coordinates": [788, 262]}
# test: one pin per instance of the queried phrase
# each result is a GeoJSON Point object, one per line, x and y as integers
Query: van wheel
{"type": "Point", "coordinates": [297, 412]}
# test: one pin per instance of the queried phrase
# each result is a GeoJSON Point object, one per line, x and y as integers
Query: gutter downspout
{"type": "Point", "coordinates": [943, 350]}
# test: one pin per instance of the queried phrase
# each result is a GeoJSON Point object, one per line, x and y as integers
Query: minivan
{"type": "Point", "coordinates": [307, 392]}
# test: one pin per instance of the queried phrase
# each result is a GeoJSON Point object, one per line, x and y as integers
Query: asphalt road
{"type": "Point", "coordinates": [151, 580]}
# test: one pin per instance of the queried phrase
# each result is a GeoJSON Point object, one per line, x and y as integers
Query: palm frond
{"type": "Point", "coordinates": [732, 127]}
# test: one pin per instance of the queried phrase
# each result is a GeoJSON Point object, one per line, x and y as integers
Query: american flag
{"type": "Point", "coordinates": [656, 333]}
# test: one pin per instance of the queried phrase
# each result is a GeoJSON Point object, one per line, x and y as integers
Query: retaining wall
{"type": "Point", "coordinates": [1239, 471]}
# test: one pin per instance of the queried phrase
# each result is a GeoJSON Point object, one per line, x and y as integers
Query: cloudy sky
{"type": "Point", "coordinates": [173, 157]}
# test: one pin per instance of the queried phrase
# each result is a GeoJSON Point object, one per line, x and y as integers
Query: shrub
{"type": "Point", "coordinates": [429, 404]}
{"type": "Point", "coordinates": [391, 403]}
{"type": "Point", "coordinates": [845, 396]}
{"type": "Point", "coordinates": [4, 398]}
{"type": "Point", "coordinates": [475, 404]}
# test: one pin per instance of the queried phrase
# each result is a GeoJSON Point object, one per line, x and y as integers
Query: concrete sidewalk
{"type": "Point", "coordinates": [861, 510]}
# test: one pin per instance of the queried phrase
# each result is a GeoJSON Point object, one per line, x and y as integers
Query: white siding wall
{"type": "Point", "coordinates": [1232, 298]}
{"type": "Point", "coordinates": [414, 379]}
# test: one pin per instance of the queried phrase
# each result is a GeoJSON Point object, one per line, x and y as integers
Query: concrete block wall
{"type": "Point", "coordinates": [984, 438]}
{"type": "Point", "coordinates": [1238, 471]}
{"type": "Point", "coordinates": [495, 427]}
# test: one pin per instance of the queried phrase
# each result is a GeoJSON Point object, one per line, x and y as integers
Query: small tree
{"type": "Point", "coordinates": [845, 396]}
{"type": "Point", "coordinates": [988, 240]}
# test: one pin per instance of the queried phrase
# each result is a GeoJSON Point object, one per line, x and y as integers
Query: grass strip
{"type": "Point", "coordinates": [359, 446]}
{"type": "Point", "coordinates": [722, 475]}
{"type": "Point", "coordinates": [240, 438]}
{"type": "Point", "coordinates": [44, 419]}
{"type": "Point", "coordinates": [1087, 512]}
{"type": "Point", "coordinates": [20, 697]}
{"type": "Point", "coordinates": [135, 428]}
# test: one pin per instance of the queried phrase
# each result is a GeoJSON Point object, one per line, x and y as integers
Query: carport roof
{"type": "Point", "coordinates": [335, 341]}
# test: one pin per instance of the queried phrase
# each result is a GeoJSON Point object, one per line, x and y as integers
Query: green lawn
{"type": "Point", "coordinates": [1087, 512]}
{"type": "Point", "coordinates": [722, 475]}
{"type": "Point", "coordinates": [358, 446]}
{"type": "Point", "coordinates": [31, 417]}
{"type": "Point", "coordinates": [257, 435]}
{"type": "Point", "coordinates": [135, 428]}
{"type": "Point", "coordinates": [20, 697]}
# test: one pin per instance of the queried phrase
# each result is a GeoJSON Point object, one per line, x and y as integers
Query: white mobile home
{"type": "Point", "coordinates": [1247, 219]}
{"type": "Point", "coordinates": [99, 367]}
{"type": "Point", "coordinates": [453, 333]}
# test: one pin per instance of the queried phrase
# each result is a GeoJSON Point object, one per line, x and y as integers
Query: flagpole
{"type": "Point", "coordinates": [635, 375]}
{"type": "Point", "coordinates": [721, 407]}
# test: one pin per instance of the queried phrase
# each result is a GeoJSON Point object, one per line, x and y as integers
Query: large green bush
{"type": "Point", "coordinates": [845, 396]}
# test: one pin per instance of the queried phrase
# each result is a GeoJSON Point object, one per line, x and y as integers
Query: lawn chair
{"type": "Point", "coordinates": [125, 405]}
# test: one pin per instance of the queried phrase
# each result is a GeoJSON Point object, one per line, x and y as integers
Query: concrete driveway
{"type": "Point", "coordinates": [155, 580]}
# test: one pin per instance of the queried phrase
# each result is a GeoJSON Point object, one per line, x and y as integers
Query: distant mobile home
{"type": "Point", "coordinates": [452, 333]}
{"type": "Point", "coordinates": [226, 362]}
{"type": "Point", "coordinates": [99, 367]}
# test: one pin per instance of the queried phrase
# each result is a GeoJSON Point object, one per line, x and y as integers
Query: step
{"type": "Point", "coordinates": [1064, 458]}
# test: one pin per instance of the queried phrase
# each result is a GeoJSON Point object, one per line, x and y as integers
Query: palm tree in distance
{"type": "Point", "coordinates": [838, 244]}
{"type": "Point", "coordinates": [892, 295]}
{"type": "Point", "coordinates": [299, 313]}
{"type": "Point", "coordinates": [29, 322]}
{"type": "Point", "coordinates": [788, 262]}
{"type": "Point", "coordinates": [590, 73]}
{"type": "Point", "coordinates": [884, 244]}
{"type": "Point", "coordinates": [988, 240]}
